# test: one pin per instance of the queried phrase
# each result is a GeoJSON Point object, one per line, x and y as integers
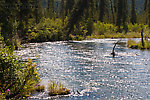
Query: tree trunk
{"type": "Point", "coordinates": [133, 13]}
{"type": "Point", "coordinates": [112, 11]}
{"type": "Point", "coordinates": [149, 13]}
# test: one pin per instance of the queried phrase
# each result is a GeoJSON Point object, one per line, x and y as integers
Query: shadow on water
{"type": "Point", "coordinates": [90, 72]}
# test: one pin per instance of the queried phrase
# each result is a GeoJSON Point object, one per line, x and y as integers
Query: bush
{"type": "Point", "coordinates": [100, 28]}
{"type": "Point", "coordinates": [136, 27]}
{"type": "Point", "coordinates": [56, 88]}
{"type": "Point", "coordinates": [16, 79]}
{"type": "Point", "coordinates": [46, 30]}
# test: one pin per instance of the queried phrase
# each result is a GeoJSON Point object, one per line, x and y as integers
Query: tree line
{"type": "Point", "coordinates": [17, 16]}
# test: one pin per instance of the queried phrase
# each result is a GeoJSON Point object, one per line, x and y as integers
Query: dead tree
{"type": "Point", "coordinates": [142, 39]}
{"type": "Point", "coordinates": [113, 51]}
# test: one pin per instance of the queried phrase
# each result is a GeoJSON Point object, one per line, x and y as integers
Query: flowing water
{"type": "Point", "coordinates": [89, 71]}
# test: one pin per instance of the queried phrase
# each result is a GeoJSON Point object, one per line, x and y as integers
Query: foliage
{"type": "Point", "coordinates": [132, 44]}
{"type": "Point", "coordinates": [76, 37]}
{"type": "Point", "coordinates": [46, 30]}
{"type": "Point", "coordinates": [137, 27]}
{"type": "Point", "coordinates": [56, 88]}
{"type": "Point", "coordinates": [16, 79]}
{"type": "Point", "coordinates": [100, 28]}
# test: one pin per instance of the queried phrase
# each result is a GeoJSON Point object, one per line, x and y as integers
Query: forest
{"type": "Point", "coordinates": [34, 21]}
{"type": "Point", "coordinates": [37, 21]}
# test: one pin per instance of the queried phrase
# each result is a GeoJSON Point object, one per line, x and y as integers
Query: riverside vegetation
{"type": "Point", "coordinates": [134, 45]}
{"type": "Point", "coordinates": [18, 80]}
{"type": "Point", "coordinates": [52, 30]}
{"type": "Point", "coordinates": [23, 21]}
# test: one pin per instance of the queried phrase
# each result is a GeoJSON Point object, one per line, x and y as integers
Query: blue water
{"type": "Point", "coordinates": [88, 67]}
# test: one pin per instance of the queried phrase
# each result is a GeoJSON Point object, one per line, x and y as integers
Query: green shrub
{"type": "Point", "coordinates": [101, 28]}
{"type": "Point", "coordinates": [136, 27]}
{"type": "Point", "coordinates": [46, 30]}
{"type": "Point", "coordinates": [56, 88]}
{"type": "Point", "coordinates": [19, 78]}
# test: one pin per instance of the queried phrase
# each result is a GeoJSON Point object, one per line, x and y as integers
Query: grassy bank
{"type": "Point", "coordinates": [138, 45]}
{"type": "Point", "coordinates": [102, 30]}
{"type": "Point", "coordinates": [56, 88]}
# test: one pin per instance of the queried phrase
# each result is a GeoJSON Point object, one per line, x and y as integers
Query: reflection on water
{"type": "Point", "coordinates": [88, 67]}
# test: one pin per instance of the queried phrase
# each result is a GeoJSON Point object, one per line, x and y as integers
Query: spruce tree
{"type": "Point", "coordinates": [50, 9]}
{"type": "Point", "coordinates": [112, 11]}
{"type": "Point", "coordinates": [145, 5]}
{"type": "Point", "coordinates": [125, 15]}
{"type": "Point", "coordinates": [125, 10]}
{"type": "Point", "coordinates": [8, 15]}
{"type": "Point", "coordinates": [119, 14]}
{"type": "Point", "coordinates": [75, 16]}
{"type": "Point", "coordinates": [102, 8]}
{"type": "Point", "coordinates": [149, 13]}
{"type": "Point", "coordinates": [69, 6]}
{"type": "Point", "coordinates": [38, 11]}
{"type": "Point", "coordinates": [145, 11]}
{"type": "Point", "coordinates": [62, 11]}
{"type": "Point", "coordinates": [115, 5]}
{"type": "Point", "coordinates": [133, 12]}
{"type": "Point", "coordinates": [24, 14]}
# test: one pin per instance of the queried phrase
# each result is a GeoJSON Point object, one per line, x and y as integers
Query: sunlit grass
{"type": "Point", "coordinates": [56, 88]}
{"type": "Point", "coordinates": [39, 88]}
{"type": "Point", "coordinates": [138, 45]}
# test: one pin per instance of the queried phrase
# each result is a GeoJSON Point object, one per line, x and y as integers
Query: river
{"type": "Point", "coordinates": [88, 68]}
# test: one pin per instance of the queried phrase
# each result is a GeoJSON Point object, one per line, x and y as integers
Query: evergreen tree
{"type": "Point", "coordinates": [102, 8]}
{"type": "Point", "coordinates": [62, 10]}
{"type": "Point", "coordinates": [145, 5]}
{"type": "Point", "coordinates": [119, 14]}
{"type": "Point", "coordinates": [125, 15]}
{"type": "Point", "coordinates": [115, 5]}
{"type": "Point", "coordinates": [133, 12]}
{"type": "Point", "coordinates": [8, 16]}
{"type": "Point", "coordinates": [145, 11]}
{"type": "Point", "coordinates": [91, 11]}
{"type": "Point", "coordinates": [122, 13]}
{"type": "Point", "coordinates": [112, 11]}
{"type": "Point", "coordinates": [149, 13]}
{"type": "Point", "coordinates": [38, 11]}
{"type": "Point", "coordinates": [69, 6]}
{"type": "Point", "coordinates": [50, 8]}
{"type": "Point", "coordinates": [24, 14]}
{"type": "Point", "coordinates": [125, 10]}
{"type": "Point", "coordinates": [75, 16]}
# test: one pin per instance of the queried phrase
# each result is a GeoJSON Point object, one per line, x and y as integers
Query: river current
{"type": "Point", "coordinates": [89, 71]}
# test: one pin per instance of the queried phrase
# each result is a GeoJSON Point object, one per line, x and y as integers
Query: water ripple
{"type": "Point", "coordinates": [89, 71]}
